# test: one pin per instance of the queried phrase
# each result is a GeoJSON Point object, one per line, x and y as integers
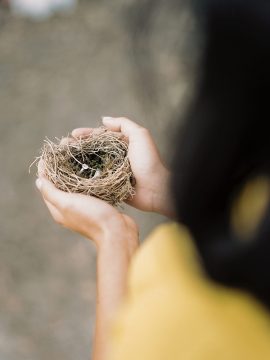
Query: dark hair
{"type": "Point", "coordinates": [226, 140]}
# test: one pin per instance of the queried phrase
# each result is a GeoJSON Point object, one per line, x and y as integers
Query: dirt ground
{"type": "Point", "coordinates": [54, 76]}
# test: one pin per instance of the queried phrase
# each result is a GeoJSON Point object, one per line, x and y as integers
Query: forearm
{"type": "Point", "coordinates": [112, 266]}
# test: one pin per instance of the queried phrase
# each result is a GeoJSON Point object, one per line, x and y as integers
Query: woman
{"type": "Point", "coordinates": [178, 301]}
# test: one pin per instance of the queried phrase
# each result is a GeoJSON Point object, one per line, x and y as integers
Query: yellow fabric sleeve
{"type": "Point", "coordinates": [173, 311]}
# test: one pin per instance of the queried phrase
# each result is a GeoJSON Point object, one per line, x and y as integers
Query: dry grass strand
{"type": "Point", "coordinates": [95, 165]}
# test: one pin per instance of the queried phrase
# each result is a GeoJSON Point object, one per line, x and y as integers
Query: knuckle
{"type": "Point", "coordinates": [126, 120]}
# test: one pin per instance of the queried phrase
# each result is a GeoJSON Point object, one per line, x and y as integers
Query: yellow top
{"type": "Point", "coordinates": [172, 311]}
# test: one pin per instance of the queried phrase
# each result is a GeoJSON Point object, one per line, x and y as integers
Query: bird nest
{"type": "Point", "coordinates": [95, 165]}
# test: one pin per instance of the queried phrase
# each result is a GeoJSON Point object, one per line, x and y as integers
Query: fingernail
{"type": "Point", "coordinates": [38, 184]}
{"type": "Point", "coordinates": [107, 118]}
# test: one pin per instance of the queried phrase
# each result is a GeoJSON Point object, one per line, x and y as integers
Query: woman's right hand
{"type": "Point", "coordinates": [152, 177]}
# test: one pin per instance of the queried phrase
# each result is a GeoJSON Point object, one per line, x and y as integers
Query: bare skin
{"type": "Point", "coordinates": [151, 174]}
{"type": "Point", "coordinates": [114, 234]}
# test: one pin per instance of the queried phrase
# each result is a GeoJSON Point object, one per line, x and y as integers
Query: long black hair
{"type": "Point", "coordinates": [226, 140]}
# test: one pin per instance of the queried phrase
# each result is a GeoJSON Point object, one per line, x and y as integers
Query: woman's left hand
{"type": "Point", "coordinates": [116, 237]}
{"type": "Point", "coordinates": [89, 216]}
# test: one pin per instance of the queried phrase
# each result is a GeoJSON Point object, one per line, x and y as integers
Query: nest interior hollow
{"type": "Point", "coordinates": [95, 165]}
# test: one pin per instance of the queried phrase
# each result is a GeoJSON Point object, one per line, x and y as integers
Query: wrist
{"type": "Point", "coordinates": [119, 239]}
{"type": "Point", "coordinates": [162, 202]}
{"type": "Point", "coordinates": [112, 243]}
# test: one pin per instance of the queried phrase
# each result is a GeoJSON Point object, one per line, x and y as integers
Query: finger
{"type": "Point", "coordinates": [51, 194]}
{"type": "Point", "coordinates": [124, 125]}
{"type": "Point", "coordinates": [57, 216]}
{"type": "Point", "coordinates": [80, 132]}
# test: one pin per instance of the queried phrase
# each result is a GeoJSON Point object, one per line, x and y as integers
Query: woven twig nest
{"type": "Point", "coordinates": [95, 165]}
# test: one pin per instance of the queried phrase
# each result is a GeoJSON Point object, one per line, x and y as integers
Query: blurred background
{"type": "Point", "coordinates": [64, 64]}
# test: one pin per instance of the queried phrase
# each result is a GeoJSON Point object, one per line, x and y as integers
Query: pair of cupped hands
{"type": "Point", "coordinates": [94, 218]}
